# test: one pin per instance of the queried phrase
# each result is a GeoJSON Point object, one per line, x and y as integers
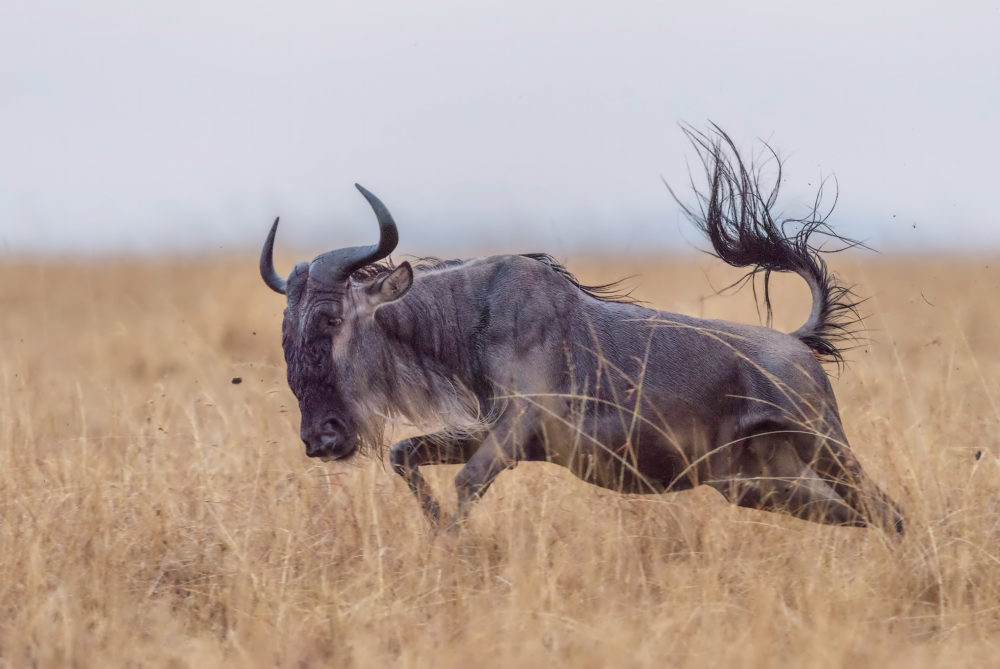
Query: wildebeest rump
{"type": "Point", "coordinates": [514, 360]}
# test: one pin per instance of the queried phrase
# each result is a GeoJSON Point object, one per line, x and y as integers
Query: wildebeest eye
{"type": "Point", "coordinates": [334, 322]}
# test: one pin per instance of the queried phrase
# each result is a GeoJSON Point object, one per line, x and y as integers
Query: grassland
{"type": "Point", "coordinates": [154, 513]}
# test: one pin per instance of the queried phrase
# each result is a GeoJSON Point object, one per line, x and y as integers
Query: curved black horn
{"type": "Point", "coordinates": [388, 235]}
{"type": "Point", "coordinates": [271, 278]}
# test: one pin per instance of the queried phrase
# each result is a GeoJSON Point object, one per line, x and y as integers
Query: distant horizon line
{"type": "Point", "coordinates": [298, 254]}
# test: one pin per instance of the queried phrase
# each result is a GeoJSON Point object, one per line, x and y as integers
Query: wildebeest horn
{"type": "Point", "coordinates": [388, 235]}
{"type": "Point", "coordinates": [271, 278]}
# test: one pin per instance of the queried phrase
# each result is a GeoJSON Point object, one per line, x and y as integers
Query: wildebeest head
{"type": "Point", "coordinates": [326, 307]}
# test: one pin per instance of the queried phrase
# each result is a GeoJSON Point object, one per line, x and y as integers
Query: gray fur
{"type": "Point", "coordinates": [510, 359]}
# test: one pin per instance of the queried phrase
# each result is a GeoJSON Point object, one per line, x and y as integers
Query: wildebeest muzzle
{"type": "Point", "coordinates": [328, 440]}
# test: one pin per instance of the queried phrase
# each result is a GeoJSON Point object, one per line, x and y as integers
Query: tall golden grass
{"type": "Point", "coordinates": [154, 513]}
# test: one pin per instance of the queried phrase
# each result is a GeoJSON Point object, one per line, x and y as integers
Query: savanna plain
{"type": "Point", "coordinates": [154, 513]}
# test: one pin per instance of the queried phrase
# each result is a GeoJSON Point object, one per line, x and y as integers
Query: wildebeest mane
{"type": "Point", "coordinates": [613, 291]}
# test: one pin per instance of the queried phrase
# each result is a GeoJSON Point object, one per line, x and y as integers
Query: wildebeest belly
{"type": "Point", "coordinates": [631, 459]}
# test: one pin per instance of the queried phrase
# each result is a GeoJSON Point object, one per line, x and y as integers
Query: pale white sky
{"type": "Point", "coordinates": [515, 126]}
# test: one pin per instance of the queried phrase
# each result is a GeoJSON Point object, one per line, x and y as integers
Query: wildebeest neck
{"type": "Point", "coordinates": [421, 354]}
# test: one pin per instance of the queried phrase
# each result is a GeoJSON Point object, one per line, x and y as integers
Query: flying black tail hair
{"type": "Point", "coordinates": [736, 215]}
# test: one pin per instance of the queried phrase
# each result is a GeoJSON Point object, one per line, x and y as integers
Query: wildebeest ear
{"type": "Point", "coordinates": [393, 285]}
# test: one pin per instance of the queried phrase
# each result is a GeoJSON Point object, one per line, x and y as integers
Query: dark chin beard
{"type": "Point", "coordinates": [369, 441]}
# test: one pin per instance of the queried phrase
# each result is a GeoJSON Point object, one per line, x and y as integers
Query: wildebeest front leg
{"type": "Point", "coordinates": [434, 449]}
{"type": "Point", "coordinates": [511, 440]}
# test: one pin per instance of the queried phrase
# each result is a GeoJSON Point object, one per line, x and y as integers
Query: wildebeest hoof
{"type": "Point", "coordinates": [456, 523]}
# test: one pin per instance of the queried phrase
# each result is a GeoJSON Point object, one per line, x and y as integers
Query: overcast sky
{"type": "Point", "coordinates": [515, 126]}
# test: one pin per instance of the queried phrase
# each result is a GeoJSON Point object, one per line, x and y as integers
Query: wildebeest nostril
{"type": "Point", "coordinates": [325, 444]}
{"type": "Point", "coordinates": [332, 426]}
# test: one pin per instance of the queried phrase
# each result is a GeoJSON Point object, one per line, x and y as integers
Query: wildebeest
{"type": "Point", "coordinates": [515, 360]}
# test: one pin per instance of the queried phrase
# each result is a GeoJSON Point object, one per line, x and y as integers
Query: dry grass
{"type": "Point", "coordinates": [152, 513]}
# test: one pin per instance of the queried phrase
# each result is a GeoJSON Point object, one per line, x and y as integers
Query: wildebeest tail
{"type": "Point", "coordinates": [737, 214]}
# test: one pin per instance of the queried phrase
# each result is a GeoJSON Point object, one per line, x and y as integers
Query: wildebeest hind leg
{"type": "Point", "coordinates": [836, 465]}
{"type": "Point", "coordinates": [433, 449]}
{"type": "Point", "coordinates": [772, 477]}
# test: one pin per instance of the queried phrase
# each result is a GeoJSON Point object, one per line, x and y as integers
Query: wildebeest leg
{"type": "Point", "coordinates": [771, 476]}
{"type": "Point", "coordinates": [508, 442]}
{"type": "Point", "coordinates": [834, 463]}
{"type": "Point", "coordinates": [433, 449]}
